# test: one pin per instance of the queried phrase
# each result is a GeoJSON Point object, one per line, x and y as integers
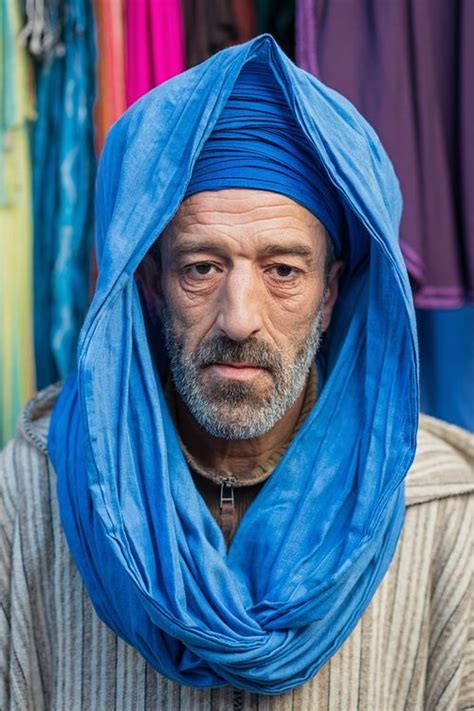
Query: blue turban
{"type": "Point", "coordinates": [257, 143]}
{"type": "Point", "coordinates": [312, 549]}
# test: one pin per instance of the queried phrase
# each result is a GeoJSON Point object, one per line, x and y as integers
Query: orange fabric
{"type": "Point", "coordinates": [111, 96]}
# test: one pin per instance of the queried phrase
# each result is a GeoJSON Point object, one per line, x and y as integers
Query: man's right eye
{"type": "Point", "coordinates": [200, 270]}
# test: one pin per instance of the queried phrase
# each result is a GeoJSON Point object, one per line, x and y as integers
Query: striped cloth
{"type": "Point", "coordinates": [412, 649]}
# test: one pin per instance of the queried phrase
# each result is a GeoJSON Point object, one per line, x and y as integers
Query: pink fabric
{"type": "Point", "coordinates": [155, 44]}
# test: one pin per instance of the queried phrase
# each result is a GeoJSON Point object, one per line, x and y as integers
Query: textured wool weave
{"type": "Point", "coordinates": [310, 553]}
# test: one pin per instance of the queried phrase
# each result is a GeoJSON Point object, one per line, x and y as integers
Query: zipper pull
{"type": "Point", "coordinates": [227, 508]}
{"type": "Point", "coordinates": [227, 491]}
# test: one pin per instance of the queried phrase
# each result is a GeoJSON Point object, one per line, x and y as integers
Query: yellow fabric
{"type": "Point", "coordinates": [16, 246]}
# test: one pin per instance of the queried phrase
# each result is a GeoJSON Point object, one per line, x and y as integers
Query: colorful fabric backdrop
{"type": "Point", "coordinates": [63, 162]}
{"type": "Point", "coordinates": [82, 62]}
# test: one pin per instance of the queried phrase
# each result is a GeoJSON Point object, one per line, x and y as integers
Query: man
{"type": "Point", "coordinates": [231, 455]}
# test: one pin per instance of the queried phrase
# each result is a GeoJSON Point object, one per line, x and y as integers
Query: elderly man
{"type": "Point", "coordinates": [231, 455]}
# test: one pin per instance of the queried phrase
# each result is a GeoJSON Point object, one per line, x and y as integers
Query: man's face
{"type": "Point", "coordinates": [243, 301]}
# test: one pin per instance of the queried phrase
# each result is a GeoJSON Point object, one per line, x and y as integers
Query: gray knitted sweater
{"type": "Point", "coordinates": [412, 649]}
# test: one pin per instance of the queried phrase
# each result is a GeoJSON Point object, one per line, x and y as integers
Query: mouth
{"type": "Point", "coordinates": [236, 371]}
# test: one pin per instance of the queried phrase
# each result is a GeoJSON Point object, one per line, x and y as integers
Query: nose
{"type": "Point", "coordinates": [240, 307]}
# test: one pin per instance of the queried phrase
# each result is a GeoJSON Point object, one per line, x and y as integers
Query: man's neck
{"type": "Point", "coordinates": [235, 456]}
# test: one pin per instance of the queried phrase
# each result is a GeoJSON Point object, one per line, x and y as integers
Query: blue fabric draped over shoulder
{"type": "Point", "coordinates": [313, 547]}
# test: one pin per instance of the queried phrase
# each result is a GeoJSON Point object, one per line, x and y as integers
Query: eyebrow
{"type": "Point", "coordinates": [272, 250]}
{"type": "Point", "coordinates": [196, 247]}
{"type": "Point", "coordinates": [277, 249]}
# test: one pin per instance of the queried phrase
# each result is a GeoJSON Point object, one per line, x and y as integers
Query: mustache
{"type": "Point", "coordinates": [222, 349]}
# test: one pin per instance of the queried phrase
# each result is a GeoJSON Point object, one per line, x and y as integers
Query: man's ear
{"type": "Point", "coordinates": [148, 275]}
{"type": "Point", "coordinates": [332, 288]}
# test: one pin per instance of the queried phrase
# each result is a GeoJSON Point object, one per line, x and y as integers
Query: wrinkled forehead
{"type": "Point", "coordinates": [242, 206]}
{"type": "Point", "coordinates": [244, 221]}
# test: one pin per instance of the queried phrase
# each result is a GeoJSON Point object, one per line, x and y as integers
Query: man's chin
{"type": "Point", "coordinates": [232, 410]}
{"type": "Point", "coordinates": [236, 425]}
{"type": "Point", "coordinates": [223, 395]}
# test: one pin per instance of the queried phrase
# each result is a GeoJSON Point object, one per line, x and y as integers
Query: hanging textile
{"type": "Point", "coordinates": [64, 161]}
{"type": "Point", "coordinates": [16, 326]}
{"type": "Point", "coordinates": [210, 26]}
{"type": "Point", "coordinates": [155, 44]}
{"type": "Point", "coordinates": [245, 20]}
{"type": "Point", "coordinates": [110, 66]}
{"type": "Point", "coordinates": [446, 341]}
{"type": "Point", "coordinates": [277, 17]}
{"type": "Point", "coordinates": [407, 66]}
{"type": "Point", "coordinates": [305, 30]}
{"type": "Point", "coordinates": [42, 31]}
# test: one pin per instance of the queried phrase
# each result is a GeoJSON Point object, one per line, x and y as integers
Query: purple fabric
{"type": "Point", "coordinates": [306, 56]}
{"type": "Point", "coordinates": [407, 66]}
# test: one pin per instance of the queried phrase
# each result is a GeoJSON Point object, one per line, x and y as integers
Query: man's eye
{"type": "Point", "coordinates": [200, 270]}
{"type": "Point", "coordinates": [283, 271]}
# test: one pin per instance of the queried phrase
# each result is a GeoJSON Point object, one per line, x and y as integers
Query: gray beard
{"type": "Point", "coordinates": [234, 410]}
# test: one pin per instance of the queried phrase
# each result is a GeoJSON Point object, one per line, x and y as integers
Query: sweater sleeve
{"type": "Point", "coordinates": [8, 498]}
{"type": "Point", "coordinates": [449, 682]}
{"type": "Point", "coordinates": [466, 691]}
{"type": "Point", "coordinates": [24, 647]}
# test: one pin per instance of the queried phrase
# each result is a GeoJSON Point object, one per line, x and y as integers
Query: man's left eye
{"type": "Point", "coordinates": [283, 271]}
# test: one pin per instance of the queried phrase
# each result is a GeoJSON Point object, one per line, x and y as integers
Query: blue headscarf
{"type": "Point", "coordinates": [257, 143]}
{"type": "Point", "coordinates": [314, 545]}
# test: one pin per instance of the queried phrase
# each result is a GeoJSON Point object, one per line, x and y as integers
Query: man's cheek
{"type": "Point", "coordinates": [288, 334]}
{"type": "Point", "coordinates": [192, 315]}
{"type": "Point", "coordinates": [189, 331]}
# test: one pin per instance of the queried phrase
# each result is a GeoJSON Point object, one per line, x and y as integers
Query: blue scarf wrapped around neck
{"type": "Point", "coordinates": [314, 545]}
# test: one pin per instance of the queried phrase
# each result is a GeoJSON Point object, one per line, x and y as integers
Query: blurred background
{"type": "Point", "coordinates": [70, 68]}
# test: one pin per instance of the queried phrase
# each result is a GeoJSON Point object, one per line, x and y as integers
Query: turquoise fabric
{"type": "Point", "coordinates": [64, 168]}
{"type": "Point", "coordinates": [313, 547]}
